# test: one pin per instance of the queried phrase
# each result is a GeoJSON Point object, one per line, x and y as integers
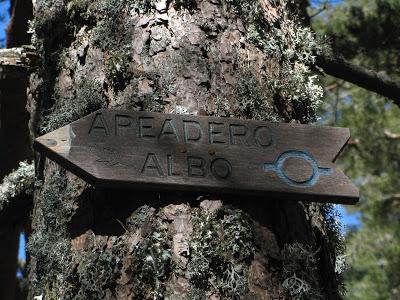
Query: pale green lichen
{"type": "Point", "coordinates": [300, 261]}
{"type": "Point", "coordinates": [80, 11]}
{"type": "Point", "coordinates": [97, 273]}
{"type": "Point", "coordinates": [141, 216]}
{"type": "Point", "coordinates": [234, 281]}
{"type": "Point", "coordinates": [239, 237]}
{"type": "Point", "coordinates": [152, 266]}
{"type": "Point", "coordinates": [296, 287]}
{"type": "Point", "coordinates": [340, 264]}
{"type": "Point", "coordinates": [253, 100]}
{"type": "Point", "coordinates": [249, 10]}
{"type": "Point", "coordinates": [222, 262]}
{"type": "Point", "coordinates": [59, 271]}
{"type": "Point", "coordinates": [88, 98]}
{"type": "Point", "coordinates": [20, 181]}
{"type": "Point", "coordinates": [153, 103]}
{"type": "Point", "coordinates": [292, 87]}
{"type": "Point", "coordinates": [53, 265]}
{"type": "Point", "coordinates": [118, 71]}
{"type": "Point", "coordinates": [46, 15]}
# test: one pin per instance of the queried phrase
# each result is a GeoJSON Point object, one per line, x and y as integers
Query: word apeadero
{"type": "Point", "coordinates": [126, 149]}
{"type": "Point", "coordinates": [181, 129]}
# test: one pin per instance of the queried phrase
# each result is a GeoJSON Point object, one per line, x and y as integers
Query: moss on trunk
{"type": "Point", "coordinates": [245, 59]}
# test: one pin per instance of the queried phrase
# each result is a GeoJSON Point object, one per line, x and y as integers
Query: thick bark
{"type": "Point", "coordinates": [194, 57]}
{"type": "Point", "coordinates": [14, 144]}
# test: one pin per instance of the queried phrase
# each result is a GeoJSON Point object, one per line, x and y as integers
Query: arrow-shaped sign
{"type": "Point", "coordinates": [126, 149]}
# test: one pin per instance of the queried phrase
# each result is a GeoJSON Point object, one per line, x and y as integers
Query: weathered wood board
{"type": "Point", "coordinates": [125, 149]}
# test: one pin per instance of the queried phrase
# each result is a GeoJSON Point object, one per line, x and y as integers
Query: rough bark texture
{"type": "Point", "coordinates": [199, 57]}
{"type": "Point", "coordinates": [14, 147]}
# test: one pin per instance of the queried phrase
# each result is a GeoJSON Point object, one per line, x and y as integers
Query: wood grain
{"type": "Point", "coordinates": [144, 150]}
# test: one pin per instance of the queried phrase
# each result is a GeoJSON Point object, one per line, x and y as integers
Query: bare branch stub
{"type": "Point", "coordinates": [365, 78]}
{"type": "Point", "coordinates": [391, 135]}
{"type": "Point", "coordinates": [22, 57]}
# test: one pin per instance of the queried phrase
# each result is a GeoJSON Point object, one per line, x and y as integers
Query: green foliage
{"type": "Point", "coordinates": [366, 32]}
{"type": "Point", "coordinates": [374, 164]}
{"type": "Point", "coordinates": [374, 262]}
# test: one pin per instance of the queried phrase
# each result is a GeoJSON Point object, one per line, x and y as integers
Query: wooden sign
{"type": "Point", "coordinates": [125, 149]}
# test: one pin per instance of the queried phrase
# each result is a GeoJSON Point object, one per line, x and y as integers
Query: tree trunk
{"type": "Point", "coordinates": [14, 147]}
{"type": "Point", "coordinates": [239, 58]}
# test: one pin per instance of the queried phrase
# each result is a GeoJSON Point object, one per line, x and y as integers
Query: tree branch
{"type": "Point", "coordinates": [367, 79]}
{"type": "Point", "coordinates": [23, 57]}
{"type": "Point", "coordinates": [391, 135]}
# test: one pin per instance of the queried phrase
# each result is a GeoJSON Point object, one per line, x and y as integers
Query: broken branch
{"type": "Point", "coordinates": [23, 57]}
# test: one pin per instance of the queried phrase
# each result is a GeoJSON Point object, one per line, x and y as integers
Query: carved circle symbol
{"type": "Point", "coordinates": [297, 168]}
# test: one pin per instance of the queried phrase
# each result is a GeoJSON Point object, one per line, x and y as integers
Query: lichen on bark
{"type": "Point", "coordinates": [241, 58]}
{"type": "Point", "coordinates": [19, 182]}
